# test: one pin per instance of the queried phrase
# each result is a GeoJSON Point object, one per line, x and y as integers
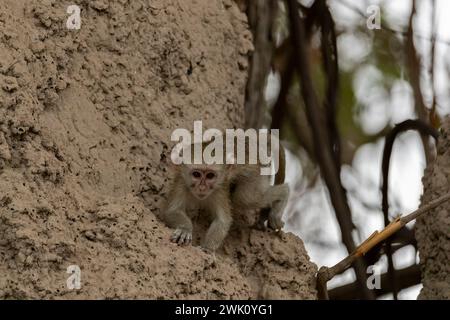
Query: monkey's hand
{"type": "Point", "coordinates": [274, 222]}
{"type": "Point", "coordinates": [269, 219]}
{"type": "Point", "coordinates": [182, 236]}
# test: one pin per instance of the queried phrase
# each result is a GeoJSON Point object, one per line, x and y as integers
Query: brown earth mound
{"type": "Point", "coordinates": [85, 123]}
{"type": "Point", "coordinates": [433, 229]}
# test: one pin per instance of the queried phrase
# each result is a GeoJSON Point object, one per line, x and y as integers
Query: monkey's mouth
{"type": "Point", "coordinates": [201, 196]}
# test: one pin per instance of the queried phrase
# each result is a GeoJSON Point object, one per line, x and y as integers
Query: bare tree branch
{"type": "Point", "coordinates": [414, 67]}
{"type": "Point", "coordinates": [324, 155]}
{"type": "Point", "coordinates": [330, 65]}
{"type": "Point", "coordinates": [261, 15]}
{"type": "Point", "coordinates": [325, 274]}
{"type": "Point", "coordinates": [434, 116]}
{"type": "Point", "coordinates": [287, 75]}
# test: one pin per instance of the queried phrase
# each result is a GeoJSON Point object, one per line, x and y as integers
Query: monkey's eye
{"type": "Point", "coordinates": [210, 175]}
{"type": "Point", "coordinates": [196, 174]}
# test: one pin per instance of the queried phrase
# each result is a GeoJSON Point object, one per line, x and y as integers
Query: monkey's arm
{"type": "Point", "coordinates": [175, 216]}
{"type": "Point", "coordinates": [220, 208]}
{"type": "Point", "coordinates": [277, 196]}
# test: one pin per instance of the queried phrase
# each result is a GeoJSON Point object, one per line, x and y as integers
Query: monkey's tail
{"type": "Point", "coordinates": [281, 173]}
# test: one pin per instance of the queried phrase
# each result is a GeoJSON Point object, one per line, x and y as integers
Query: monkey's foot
{"type": "Point", "coordinates": [275, 223]}
{"type": "Point", "coordinates": [182, 237]}
{"type": "Point", "coordinates": [271, 223]}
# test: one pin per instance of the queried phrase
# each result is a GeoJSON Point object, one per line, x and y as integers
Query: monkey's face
{"type": "Point", "coordinates": [203, 181]}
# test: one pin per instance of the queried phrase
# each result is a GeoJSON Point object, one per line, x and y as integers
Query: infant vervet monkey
{"type": "Point", "coordinates": [219, 189]}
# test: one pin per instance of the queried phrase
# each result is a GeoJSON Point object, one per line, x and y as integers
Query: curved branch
{"type": "Point", "coordinates": [424, 130]}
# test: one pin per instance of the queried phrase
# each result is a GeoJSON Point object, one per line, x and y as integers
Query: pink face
{"type": "Point", "coordinates": [203, 182]}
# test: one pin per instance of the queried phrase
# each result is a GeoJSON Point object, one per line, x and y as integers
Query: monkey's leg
{"type": "Point", "coordinates": [182, 224]}
{"type": "Point", "coordinates": [218, 230]}
{"type": "Point", "coordinates": [249, 193]}
{"type": "Point", "coordinates": [277, 195]}
{"type": "Point", "coordinates": [257, 193]}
